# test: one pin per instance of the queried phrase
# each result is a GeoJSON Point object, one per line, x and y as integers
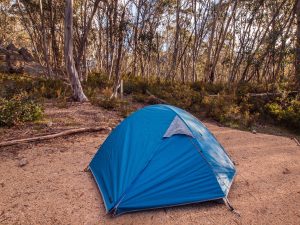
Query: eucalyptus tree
{"type": "Point", "coordinates": [78, 94]}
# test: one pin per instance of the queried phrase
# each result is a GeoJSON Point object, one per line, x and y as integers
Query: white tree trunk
{"type": "Point", "coordinates": [78, 94]}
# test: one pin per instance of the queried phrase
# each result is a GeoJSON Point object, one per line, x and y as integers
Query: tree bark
{"type": "Point", "coordinates": [297, 61]}
{"type": "Point", "coordinates": [81, 56]}
{"type": "Point", "coordinates": [78, 94]}
{"type": "Point", "coordinates": [119, 54]}
{"type": "Point", "coordinates": [172, 72]}
{"type": "Point", "coordinates": [207, 70]}
{"type": "Point", "coordinates": [135, 38]}
{"type": "Point", "coordinates": [45, 48]}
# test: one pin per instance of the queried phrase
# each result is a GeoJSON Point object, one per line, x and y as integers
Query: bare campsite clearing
{"type": "Point", "coordinates": [45, 182]}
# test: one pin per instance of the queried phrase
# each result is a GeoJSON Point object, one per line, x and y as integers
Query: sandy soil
{"type": "Point", "coordinates": [53, 189]}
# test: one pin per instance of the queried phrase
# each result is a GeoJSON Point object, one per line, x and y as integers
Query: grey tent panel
{"type": "Point", "coordinates": [177, 127]}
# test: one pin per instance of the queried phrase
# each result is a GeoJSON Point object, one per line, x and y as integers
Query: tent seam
{"type": "Point", "coordinates": [134, 180]}
{"type": "Point", "coordinates": [170, 107]}
{"type": "Point", "coordinates": [210, 166]}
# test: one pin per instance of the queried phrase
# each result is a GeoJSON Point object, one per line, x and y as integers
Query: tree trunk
{"type": "Point", "coordinates": [119, 55]}
{"type": "Point", "coordinates": [209, 76]}
{"type": "Point", "coordinates": [172, 72]}
{"type": "Point", "coordinates": [45, 48]}
{"type": "Point", "coordinates": [78, 94]}
{"type": "Point", "coordinates": [81, 56]}
{"type": "Point", "coordinates": [221, 40]}
{"type": "Point", "coordinates": [54, 45]}
{"type": "Point", "coordinates": [297, 61]}
{"type": "Point", "coordinates": [135, 38]}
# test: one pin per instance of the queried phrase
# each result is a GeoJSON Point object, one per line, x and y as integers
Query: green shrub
{"type": "Point", "coordinates": [226, 110]}
{"type": "Point", "coordinates": [91, 92]}
{"type": "Point", "coordinates": [286, 113]}
{"type": "Point", "coordinates": [136, 85]}
{"type": "Point", "coordinates": [13, 84]}
{"type": "Point", "coordinates": [215, 88]}
{"type": "Point", "coordinates": [50, 88]}
{"type": "Point", "coordinates": [97, 81]}
{"type": "Point", "coordinates": [109, 103]}
{"type": "Point", "coordinates": [142, 98]}
{"type": "Point", "coordinates": [198, 86]}
{"type": "Point", "coordinates": [20, 108]}
{"type": "Point", "coordinates": [180, 95]}
{"type": "Point", "coordinates": [105, 100]}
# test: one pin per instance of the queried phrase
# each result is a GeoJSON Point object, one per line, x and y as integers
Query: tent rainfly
{"type": "Point", "coordinates": [160, 156]}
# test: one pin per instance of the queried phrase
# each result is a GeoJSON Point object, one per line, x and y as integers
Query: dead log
{"type": "Point", "coordinates": [159, 100]}
{"type": "Point", "coordinates": [275, 94]}
{"type": "Point", "coordinates": [296, 140]}
{"type": "Point", "coordinates": [51, 136]}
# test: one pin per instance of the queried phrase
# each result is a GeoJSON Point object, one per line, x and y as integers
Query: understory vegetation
{"type": "Point", "coordinates": [20, 108]}
{"type": "Point", "coordinates": [22, 97]}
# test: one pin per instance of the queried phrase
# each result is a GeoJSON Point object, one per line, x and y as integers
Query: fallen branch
{"type": "Point", "coordinates": [50, 136]}
{"type": "Point", "coordinates": [260, 94]}
{"type": "Point", "coordinates": [156, 98]}
{"type": "Point", "coordinates": [296, 140]}
{"type": "Point", "coordinates": [270, 94]}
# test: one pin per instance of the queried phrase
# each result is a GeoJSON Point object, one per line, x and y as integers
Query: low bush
{"type": "Point", "coordinates": [20, 108]}
{"type": "Point", "coordinates": [50, 88]}
{"type": "Point", "coordinates": [232, 106]}
{"type": "Point", "coordinates": [136, 85]}
{"type": "Point", "coordinates": [226, 110]}
{"type": "Point", "coordinates": [179, 95]}
{"type": "Point", "coordinates": [13, 84]}
{"type": "Point", "coordinates": [97, 81]}
{"type": "Point", "coordinates": [142, 98]}
{"type": "Point", "coordinates": [286, 113]}
{"type": "Point", "coordinates": [111, 103]}
{"type": "Point", "coordinates": [108, 103]}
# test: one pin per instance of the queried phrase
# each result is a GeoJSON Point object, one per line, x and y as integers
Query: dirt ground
{"type": "Point", "coordinates": [52, 188]}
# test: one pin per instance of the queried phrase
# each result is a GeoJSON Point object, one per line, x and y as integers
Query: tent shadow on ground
{"type": "Point", "coordinates": [201, 206]}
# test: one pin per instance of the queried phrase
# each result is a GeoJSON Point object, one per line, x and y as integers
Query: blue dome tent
{"type": "Point", "coordinates": [160, 156]}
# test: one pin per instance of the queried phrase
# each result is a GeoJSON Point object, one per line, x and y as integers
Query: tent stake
{"type": "Point", "coordinates": [227, 203]}
{"type": "Point", "coordinates": [86, 169]}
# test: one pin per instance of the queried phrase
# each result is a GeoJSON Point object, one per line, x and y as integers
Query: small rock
{"type": "Point", "coordinates": [23, 162]}
{"type": "Point", "coordinates": [286, 171]}
{"type": "Point", "coordinates": [253, 131]}
{"type": "Point", "coordinates": [49, 124]}
{"type": "Point", "coordinates": [1, 183]}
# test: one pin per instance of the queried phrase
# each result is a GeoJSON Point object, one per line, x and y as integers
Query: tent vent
{"type": "Point", "coordinates": [178, 127]}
